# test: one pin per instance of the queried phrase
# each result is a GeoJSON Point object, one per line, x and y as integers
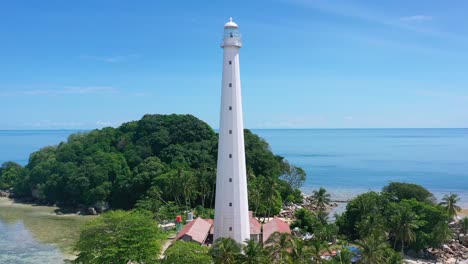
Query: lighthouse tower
{"type": "Point", "coordinates": [231, 207]}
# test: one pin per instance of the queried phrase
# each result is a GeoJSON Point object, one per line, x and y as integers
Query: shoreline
{"type": "Point", "coordinates": [53, 210]}
{"type": "Point", "coordinates": [40, 225]}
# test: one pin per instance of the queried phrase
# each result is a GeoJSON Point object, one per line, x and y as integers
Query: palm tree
{"type": "Point", "coordinates": [441, 233]}
{"type": "Point", "coordinates": [253, 253]}
{"type": "Point", "coordinates": [277, 246]}
{"type": "Point", "coordinates": [464, 227]}
{"type": "Point", "coordinates": [321, 199]}
{"type": "Point", "coordinates": [322, 217]}
{"type": "Point", "coordinates": [225, 250]}
{"type": "Point", "coordinates": [299, 252]}
{"type": "Point", "coordinates": [450, 204]}
{"type": "Point", "coordinates": [370, 224]}
{"type": "Point", "coordinates": [404, 223]}
{"type": "Point", "coordinates": [373, 249]}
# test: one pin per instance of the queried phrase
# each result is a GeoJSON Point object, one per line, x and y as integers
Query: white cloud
{"type": "Point", "coordinates": [416, 18]}
{"type": "Point", "coordinates": [110, 59]}
{"type": "Point", "coordinates": [62, 91]}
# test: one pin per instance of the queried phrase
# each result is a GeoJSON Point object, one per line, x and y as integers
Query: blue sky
{"type": "Point", "coordinates": [304, 64]}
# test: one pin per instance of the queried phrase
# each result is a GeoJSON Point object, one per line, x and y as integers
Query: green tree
{"type": "Point", "coordinates": [120, 237]}
{"type": "Point", "coordinates": [441, 234]}
{"type": "Point", "coordinates": [186, 252]}
{"type": "Point", "coordinates": [370, 224]}
{"type": "Point", "coordinates": [305, 220]}
{"type": "Point", "coordinates": [464, 228]}
{"type": "Point", "coordinates": [171, 158]}
{"type": "Point", "coordinates": [277, 246]}
{"type": "Point", "coordinates": [225, 251]}
{"type": "Point", "coordinates": [429, 216]}
{"type": "Point", "coordinates": [404, 222]}
{"type": "Point", "coordinates": [401, 191]}
{"type": "Point", "coordinates": [321, 199]}
{"type": "Point", "coordinates": [300, 252]}
{"type": "Point", "coordinates": [9, 174]}
{"type": "Point", "coordinates": [292, 175]}
{"type": "Point", "coordinates": [253, 253]}
{"type": "Point", "coordinates": [374, 249]}
{"type": "Point", "coordinates": [358, 209]}
{"type": "Point", "coordinates": [449, 202]}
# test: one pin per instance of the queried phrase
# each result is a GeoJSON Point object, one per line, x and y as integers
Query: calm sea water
{"type": "Point", "coordinates": [344, 161]}
{"type": "Point", "coordinates": [352, 161]}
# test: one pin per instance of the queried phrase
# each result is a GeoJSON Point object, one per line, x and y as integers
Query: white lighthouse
{"type": "Point", "coordinates": [231, 207]}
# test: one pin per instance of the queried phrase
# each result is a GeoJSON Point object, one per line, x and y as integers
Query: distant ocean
{"type": "Point", "coordinates": [344, 161]}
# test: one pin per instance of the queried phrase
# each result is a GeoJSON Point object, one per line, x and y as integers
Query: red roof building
{"type": "Point", "coordinates": [196, 231]}
{"type": "Point", "coordinates": [200, 229]}
{"type": "Point", "coordinates": [275, 225]}
{"type": "Point", "coordinates": [255, 228]}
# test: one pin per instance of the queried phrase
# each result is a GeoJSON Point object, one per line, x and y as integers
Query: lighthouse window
{"type": "Point", "coordinates": [230, 228]}
{"type": "Point", "coordinates": [230, 204]}
{"type": "Point", "coordinates": [230, 131]}
{"type": "Point", "coordinates": [230, 155]}
{"type": "Point", "coordinates": [230, 62]}
{"type": "Point", "coordinates": [230, 179]}
{"type": "Point", "coordinates": [230, 108]}
{"type": "Point", "coordinates": [230, 84]}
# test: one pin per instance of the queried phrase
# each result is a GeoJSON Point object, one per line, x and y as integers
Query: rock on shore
{"type": "Point", "coordinates": [4, 193]}
{"type": "Point", "coordinates": [288, 210]}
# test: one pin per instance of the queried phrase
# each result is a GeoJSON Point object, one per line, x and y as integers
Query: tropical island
{"type": "Point", "coordinates": [146, 172]}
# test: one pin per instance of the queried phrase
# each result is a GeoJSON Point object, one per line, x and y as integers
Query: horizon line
{"type": "Point", "coordinates": [272, 128]}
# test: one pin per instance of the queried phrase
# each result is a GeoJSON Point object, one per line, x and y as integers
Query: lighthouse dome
{"type": "Point", "coordinates": [230, 24]}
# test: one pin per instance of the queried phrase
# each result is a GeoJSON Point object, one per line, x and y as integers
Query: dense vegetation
{"type": "Point", "coordinates": [160, 163]}
{"type": "Point", "coordinates": [120, 237]}
{"type": "Point", "coordinates": [378, 225]}
{"type": "Point", "coordinates": [403, 214]}
{"type": "Point", "coordinates": [381, 225]}
{"type": "Point", "coordinates": [187, 252]}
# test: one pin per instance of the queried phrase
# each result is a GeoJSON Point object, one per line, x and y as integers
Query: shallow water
{"type": "Point", "coordinates": [33, 234]}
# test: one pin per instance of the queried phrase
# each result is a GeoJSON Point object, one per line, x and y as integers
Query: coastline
{"type": "Point", "coordinates": [41, 226]}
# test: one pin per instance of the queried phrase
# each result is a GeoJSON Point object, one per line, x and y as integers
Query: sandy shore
{"type": "Point", "coordinates": [463, 213]}
{"type": "Point", "coordinates": [6, 202]}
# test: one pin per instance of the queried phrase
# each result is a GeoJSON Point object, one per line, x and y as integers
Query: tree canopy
{"type": "Point", "coordinates": [403, 190]}
{"type": "Point", "coordinates": [155, 162]}
{"type": "Point", "coordinates": [120, 237]}
{"type": "Point", "coordinates": [9, 173]}
{"type": "Point", "coordinates": [406, 223]}
{"type": "Point", "coordinates": [186, 252]}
